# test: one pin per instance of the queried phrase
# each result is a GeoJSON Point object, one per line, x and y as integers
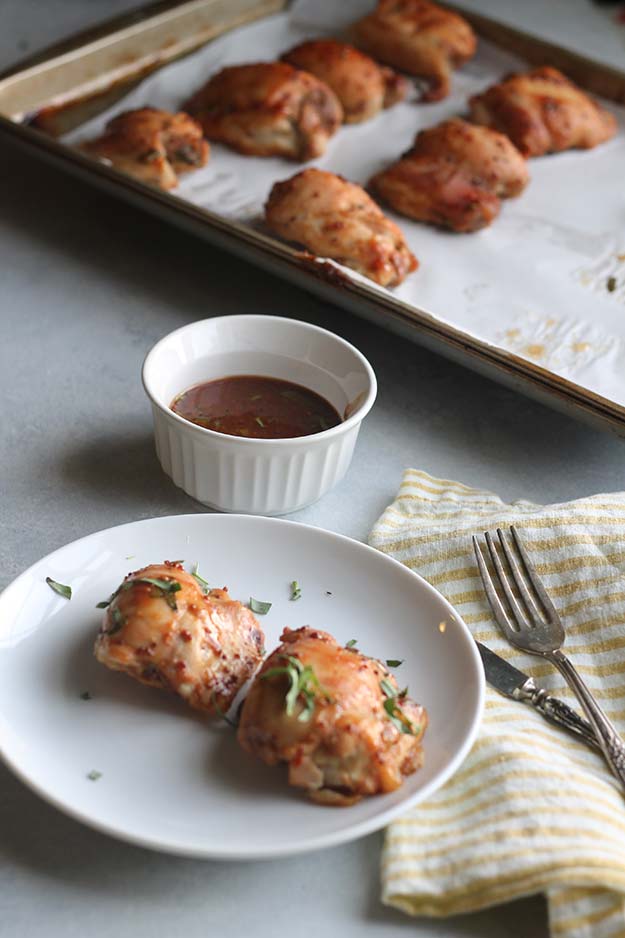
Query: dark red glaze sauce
{"type": "Point", "coordinates": [257, 407]}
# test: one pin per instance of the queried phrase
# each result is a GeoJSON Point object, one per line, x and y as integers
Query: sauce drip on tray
{"type": "Point", "coordinates": [256, 406]}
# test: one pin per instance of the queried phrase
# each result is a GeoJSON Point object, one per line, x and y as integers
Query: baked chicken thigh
{"type": "Point", "coordinates": [151, 145]}
{"type": "Point", "coordinates": [268, 109]}
{"type": "Point", "coordinates": [454, 176]}
{"type": "Point", "coordinates": [362, 86]}
{"type": "Point", "coordinates": [336, 717]}
{"type": "Point", "coordinates": [418, 37]}
{"type": "Point", "coordinates": [335, 218]}
{"type": "Point", "coordinates": [162, 629]}
{"type": "Point", "coordinates": [543, 112]}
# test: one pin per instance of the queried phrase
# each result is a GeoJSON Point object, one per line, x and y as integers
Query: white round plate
{"type": "Point", "coordinates": [175, 780]}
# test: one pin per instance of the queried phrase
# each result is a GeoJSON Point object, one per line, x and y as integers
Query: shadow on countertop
{"type": "Point", "coordinates": [117, 464]}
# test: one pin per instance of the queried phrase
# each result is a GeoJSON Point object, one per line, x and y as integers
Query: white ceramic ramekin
{"type": "Point", "coordinates": [269, 477]}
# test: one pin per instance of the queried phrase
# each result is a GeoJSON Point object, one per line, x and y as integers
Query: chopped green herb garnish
{"type": "Point", "coordinates": [611, 284]}
{"type": "Point", "coordinates": [118, 621]}
{"type": "Point", "coordinates": [200, 579]}
{"type": "Point", "coordinates": [393, 709]}
{"type": "Point", "coordinates": [259, 422]}
{"type": "Point", "coordinates": [259, 607]}
{"type": "Point", "coordinates": [351, 643]}
{"type": "Point", "coordinates": [394, 662]}
{"type": "Point", "coordinates": [395, 715]}
{"type": "Point", "coordinates": [256, 397]}
{"type": "Point", "coordinates": [295, 590]}
{"type": "Point", "coordinates": [94, 775]}
{"type": "Point", "coordinates": [388, 688]}
{"type": "Point", "coordinates": [85, 695]}
{"type": "Point", "coordinates": [167, 587]}
{"type": "Point", "coordinates": [60, 588]}
{"type": "Point", "coordinates": [303, 683]}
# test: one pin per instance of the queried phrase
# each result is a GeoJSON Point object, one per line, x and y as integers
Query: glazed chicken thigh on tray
{"type": "Point", "coordinates": [454, 176]}
{"type": "Point", "coordinates": [268, 109]}
{"type": "Point", "coordinates": [543, 112]}
{"type": "Point", "coordinates": [336, 218]}
{"type": "Point", "coordinates": [164, 630]}
{"type": "Point", "coordinates": [417, 37]}
{"type": "Point", "coordinates": [151, 145]}
{"type": "Point", "coordinates": [362, 86]}
{"type": "Point", "coordinates": [336, 717]}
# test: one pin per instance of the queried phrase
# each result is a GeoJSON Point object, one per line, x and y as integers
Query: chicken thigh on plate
{"type": "Point", "coordinates": [164, 630]}
{"type": "Point", "coordinates": [336, 717]}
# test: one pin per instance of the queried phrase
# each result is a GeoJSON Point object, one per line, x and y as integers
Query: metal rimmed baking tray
{"type": "Point", "coordinates": [58, 90]}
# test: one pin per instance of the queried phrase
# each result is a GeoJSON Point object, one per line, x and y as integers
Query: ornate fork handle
{"type": "Point", "coordinates": [609, 740]}
{"type": "Point", "coordinates": [532, 623]}
{"type": "Point", "coordinates": [557, 712]}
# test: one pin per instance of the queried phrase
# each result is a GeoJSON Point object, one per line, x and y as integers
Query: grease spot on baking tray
{"type": "Point", "coordinates": [559, 343]}
{"type": "Point", "coordinates": [534, 351]}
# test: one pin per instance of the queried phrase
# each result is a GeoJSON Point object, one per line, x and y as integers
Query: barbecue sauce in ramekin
{"type": "Point", "coordinates": [256, 407]}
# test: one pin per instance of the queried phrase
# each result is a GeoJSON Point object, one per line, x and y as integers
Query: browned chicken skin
{"type": "Point", "coordinates": [362, 86]}
{"type": "Point", "coordinates": [335, 218]}
{"type": "Point", "coordinates": [268, 109]}
{"type": "Point", "coordinates": [153, 146]}
{"type": "Point", "coordinates": [335, 716]}
{"type": "Point", "coordinates": [170, 634]}
{"type": "Point", "coordinates": [543, 112]}
{"type": "Point", "coordinates": [453, 176]}
{"type": "Point", "coordinates": [485, 154]}
{"type": "Point", "coordinates": [418, 37]}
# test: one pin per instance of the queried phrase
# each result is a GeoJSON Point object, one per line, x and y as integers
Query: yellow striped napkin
{"type": "Point", "coordinates": [531, 810]}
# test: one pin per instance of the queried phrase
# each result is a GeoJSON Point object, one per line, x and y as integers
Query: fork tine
{"type": "Point", "coordinates": [519, 615]}
{"type": "Point", "coordinates": [535, 580]}
{"type": "Point", "coordinates": [491, 595]}
{"type": "Point", "coordinates": [517, 575]}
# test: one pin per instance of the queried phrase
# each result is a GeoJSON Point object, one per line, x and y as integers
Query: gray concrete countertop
{"type": "Point", "coordinates": [87, 286]}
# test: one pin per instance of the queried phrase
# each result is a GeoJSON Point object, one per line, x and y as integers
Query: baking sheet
{"type": "Point", "coordinates": [534, 283]}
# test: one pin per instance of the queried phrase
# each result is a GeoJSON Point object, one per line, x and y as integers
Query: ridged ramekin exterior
{"type": "Point", "coordinates": [253, 479]}
{"type": "Point", "coordinates": [257, 476]}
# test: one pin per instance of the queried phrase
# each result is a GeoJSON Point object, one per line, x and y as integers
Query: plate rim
{"type": "Point", "coordinates": [344, 835]}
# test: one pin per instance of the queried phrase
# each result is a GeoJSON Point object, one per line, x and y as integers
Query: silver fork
{"type": "Point", "coordinates": [533, 625]}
